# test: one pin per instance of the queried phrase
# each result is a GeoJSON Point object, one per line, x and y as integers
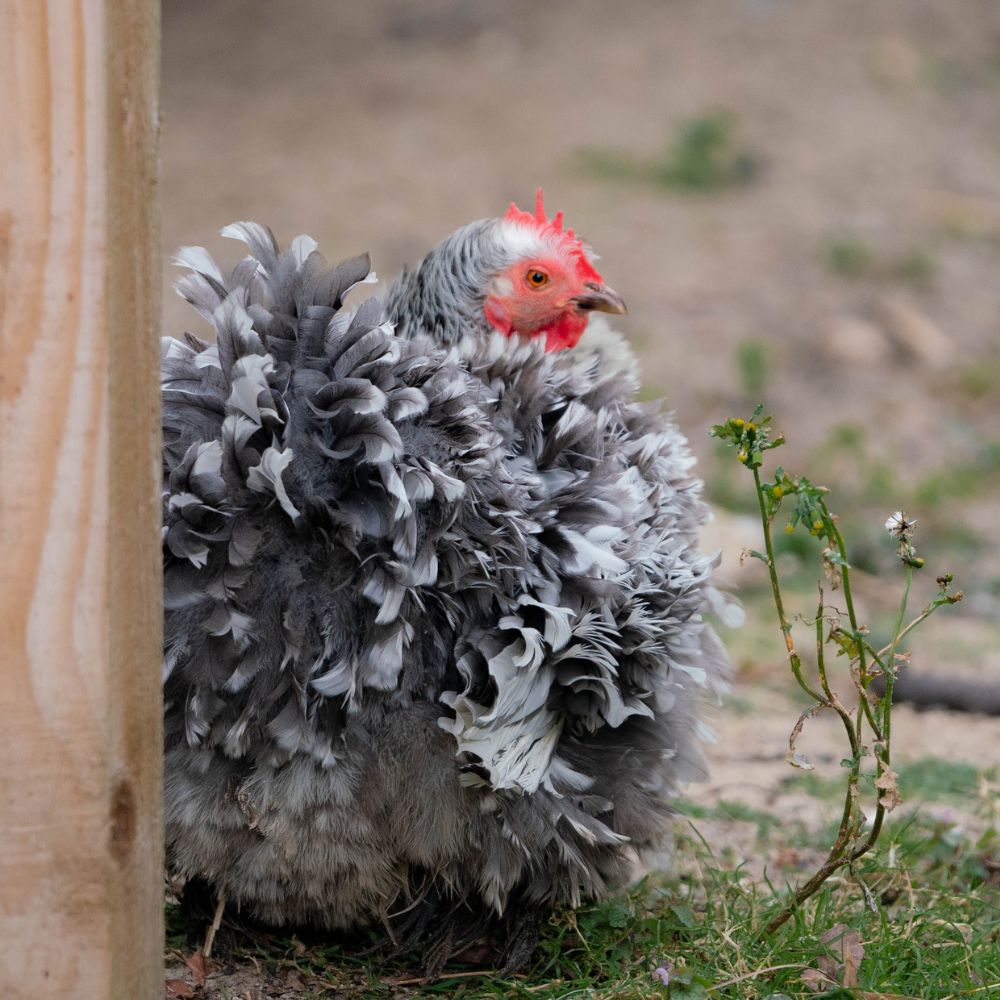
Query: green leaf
{"type": "Point", "coordinates": [693, 992]}
{"type": "Point", "coordinates": [684, 913]}
{"type": "Point", "coordinates": [846, 642]}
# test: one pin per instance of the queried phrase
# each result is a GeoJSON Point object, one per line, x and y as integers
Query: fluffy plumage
{"type": "Point", "coordinates": [433, 617]}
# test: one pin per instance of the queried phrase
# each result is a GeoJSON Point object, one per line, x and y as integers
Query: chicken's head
{"type": "Point", "coordinates": [548, 285]}
{"type": "Point", "coordinates": [521, 274]}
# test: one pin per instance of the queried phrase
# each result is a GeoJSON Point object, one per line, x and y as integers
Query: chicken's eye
{"type": "Point", "coordinates": [537, 278]}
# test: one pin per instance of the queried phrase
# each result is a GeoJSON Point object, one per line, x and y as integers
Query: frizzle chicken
{"type": "Point", "coordinates": [434, 638]}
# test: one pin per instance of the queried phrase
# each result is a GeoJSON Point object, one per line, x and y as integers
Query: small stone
{"type": "Point", "coordinates": [896, 63]}
{"type": "Point", "coordinates": [857, 341]}
{"type": "Point", "coordinates": [914, 332]}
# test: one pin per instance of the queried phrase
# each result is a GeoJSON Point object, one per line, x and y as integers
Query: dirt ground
{"type": "Point", "coordinates": [858, 265]}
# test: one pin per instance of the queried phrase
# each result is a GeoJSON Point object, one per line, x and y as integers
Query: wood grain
{"type": "Point", "coordinates": [80, 714]}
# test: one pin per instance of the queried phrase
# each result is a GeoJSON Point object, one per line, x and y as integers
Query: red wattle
{"type": "Point", "coordinates": [566, 331]}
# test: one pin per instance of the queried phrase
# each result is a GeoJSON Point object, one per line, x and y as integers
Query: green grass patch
{"type": "Point", "coordinates": [753, 365]}
{"type": "Point", "coordinates": [849, 256]}
{"type": "Point", "coordinates": [925, 908]}
{"type": "Point", "coordinates": [928, 779]}
{"type": "Point", "coordinates": [931, 778]}
{"type": "Point", "coordinates": [731, 812]}
{"type": "Point", "coordinates": [702, 157]}
{"type": "Point", "coordinates": [963, 479]}
{"type": "Point", "coordinates": [979, 381]}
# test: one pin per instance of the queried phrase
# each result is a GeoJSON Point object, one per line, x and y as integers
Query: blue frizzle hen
{"type": "Point", "coordinates": [434, 642]}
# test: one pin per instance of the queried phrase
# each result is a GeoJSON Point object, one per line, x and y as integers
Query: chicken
{"type": "Point", "coordinates": [434, 642]}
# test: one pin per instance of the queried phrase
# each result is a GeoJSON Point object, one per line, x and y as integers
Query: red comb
{"type": "Point", "coordinates": [514, 214]}
{"type": "Point", "coordinates": [554, 227]}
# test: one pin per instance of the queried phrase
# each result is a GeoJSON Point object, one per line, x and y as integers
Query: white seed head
{"type": "Point", "coordinates": [899, 525]}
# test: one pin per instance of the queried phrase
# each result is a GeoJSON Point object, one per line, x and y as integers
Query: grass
{"type": "Point", "coordinates": [732, 812]}
{"type": "Point", "coordinates": [752, 364]}
{"type": "Point", "coordinates": [849, 256]}
{"type": "Point", "coordinates": [965, 478]}
{"type": "Point", "coordinates": [928, 922]}
{"type": "Point", "coordinates": [980, 381]}
{"type": "Point", "coordinates": [702, 157]}
{"type": "Point", "coordinates": [929, 779]}
{"type": "Point", "coordinates": [953, 77]}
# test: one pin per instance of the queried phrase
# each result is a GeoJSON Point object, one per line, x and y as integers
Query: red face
{"type": "Point", "coordinates": [546, 296]}
{"type": "Point", "coordinates": [552, 287]}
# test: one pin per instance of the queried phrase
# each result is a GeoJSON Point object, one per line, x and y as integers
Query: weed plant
{"type": "Point", "coordinates": [867, 718]}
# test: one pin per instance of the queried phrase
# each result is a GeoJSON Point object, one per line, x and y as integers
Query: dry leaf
{"type": "Point", "coordinates": [828, 968]}
{"type": "Point", "coordinates": [178, 988]}
{"type": "Point", "coordinates": [793, 757]}
{"type": "Point", "coordinates": [848, 952]}
{"type": "Point", "coordinates": [199, 966]}
{"type": "Point", "coordinates": [800, 761]}
{"type": "Point", "coordinates": [814, 980]}
{"type": "Point", "coordinates": [886, 783]}
{"type": "Point", "coordinates": [294, 980]}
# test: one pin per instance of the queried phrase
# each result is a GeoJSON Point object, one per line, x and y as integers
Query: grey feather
{"type": "Point", "coordinates": [433, 615]}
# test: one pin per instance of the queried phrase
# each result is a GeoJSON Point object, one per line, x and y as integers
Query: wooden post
{"type": "Point", "coordinates": [81, 878]}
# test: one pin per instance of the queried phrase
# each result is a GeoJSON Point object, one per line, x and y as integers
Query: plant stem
{"type": "Point", "coordinates": [845, 572]}
{"type": "Point", "coordinates": [890, 674]}
{"type": "Point", "coordinates": [832, 699]}
{"type": "Point", "coordinates": [924, 615]}
{"type": "Point", "coordinates": [836, 857]}
{"type": "Point", "coordinates": [882, 754]}
{"type": "Point", "coordinates": [786, 628]}
{"type": "Point", "coordinates": [834, 860]}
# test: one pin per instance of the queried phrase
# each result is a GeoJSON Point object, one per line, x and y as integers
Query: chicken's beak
{"type": "Point", "coordinates": [600, 298]}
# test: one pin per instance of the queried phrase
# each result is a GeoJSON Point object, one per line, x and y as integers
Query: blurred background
{"type": "Point", "coordinates": [799, 199]}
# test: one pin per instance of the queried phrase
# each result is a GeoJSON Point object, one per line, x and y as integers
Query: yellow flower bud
{"type": "Point", "coordinates": [742, 456]}
{"type": "Point", "coordinates": [789, 528]}
{"type": "Point", "coordinates": [778, 492]}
